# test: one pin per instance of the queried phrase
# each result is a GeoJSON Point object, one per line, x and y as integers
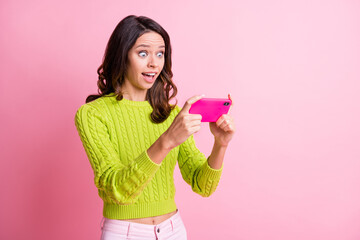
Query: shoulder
{"type": "Point", "coordinates": [174, 112]}
{"type": "Point", "coordinates": [94, 108]}
{"type": "Point", "coordinates": [177, 109]}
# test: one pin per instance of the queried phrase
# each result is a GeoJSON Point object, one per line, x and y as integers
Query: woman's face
{"type": "Point", "coordinates": [145, 62]}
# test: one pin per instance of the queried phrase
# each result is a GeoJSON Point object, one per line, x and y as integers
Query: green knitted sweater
{"type": "Point", "coordinates": [115, 135]}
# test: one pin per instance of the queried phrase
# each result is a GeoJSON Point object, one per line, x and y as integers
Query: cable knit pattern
{"type": "Point", "coordinates": [115, 135]}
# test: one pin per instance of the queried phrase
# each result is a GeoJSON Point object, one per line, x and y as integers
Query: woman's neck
{"type": "Point", "coordinates": [134, 96]}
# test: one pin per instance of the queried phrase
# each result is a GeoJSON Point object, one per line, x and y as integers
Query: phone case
{"type": "Point", "coordinates": [210, 109]}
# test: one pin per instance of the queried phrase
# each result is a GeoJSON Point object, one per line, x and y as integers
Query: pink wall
{"type": "Point", "coordinates": [291, 172]}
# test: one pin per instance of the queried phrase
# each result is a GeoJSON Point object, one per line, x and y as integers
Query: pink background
{"type": "Point", "coordinates": [292, 170]}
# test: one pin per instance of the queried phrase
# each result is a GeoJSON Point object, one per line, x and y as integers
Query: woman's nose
{"type": "Point", "coordinates": [152, 62]}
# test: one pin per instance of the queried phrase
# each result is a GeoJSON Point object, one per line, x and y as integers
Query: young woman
{"type": "Point", "coordinates": [133, 136]}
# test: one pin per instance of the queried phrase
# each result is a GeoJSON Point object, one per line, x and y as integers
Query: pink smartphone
{"type": "Point", "coordinates": [210, 109]}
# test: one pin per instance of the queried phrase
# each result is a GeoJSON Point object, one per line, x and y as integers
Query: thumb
{"type": "Point", "coordinates": [190, 101]}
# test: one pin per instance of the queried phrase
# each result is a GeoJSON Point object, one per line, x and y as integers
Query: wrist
{"type": "Point", "coordinates": [159, 149]}
{"type": "Point", "coordinates": [165, 142]}
{"type": "Point", "coordinates": [219, 143]}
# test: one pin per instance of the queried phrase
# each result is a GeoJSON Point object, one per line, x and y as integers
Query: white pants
{"type": "Point", "coordinates": [170, 229]}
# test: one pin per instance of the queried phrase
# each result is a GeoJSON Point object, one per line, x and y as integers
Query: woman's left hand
{"type": "Point", "coordinates": [223, 129]}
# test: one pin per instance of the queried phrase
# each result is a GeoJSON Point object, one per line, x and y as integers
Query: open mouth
{"type": "Point", "coordinates": [149, 77]}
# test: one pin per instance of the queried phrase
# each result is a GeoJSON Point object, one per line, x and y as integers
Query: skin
{"type": "Point", "coordinates": [147, 56]}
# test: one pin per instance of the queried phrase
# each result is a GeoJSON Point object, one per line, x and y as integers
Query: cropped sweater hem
{"type": "Point", "coordinates": [116, 211]}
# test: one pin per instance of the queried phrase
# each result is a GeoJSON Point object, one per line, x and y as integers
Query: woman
{"type": "Point", "coordinates": [133, 136]}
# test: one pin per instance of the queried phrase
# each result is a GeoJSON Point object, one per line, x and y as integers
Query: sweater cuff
{"type": "Point", "coordinates": [146, 165]}
{"type": "Point", "coordinates": [210, 172]}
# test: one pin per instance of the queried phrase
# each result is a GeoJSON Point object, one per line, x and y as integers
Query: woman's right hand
{"type": "Point", "coordinates": [184, 124]}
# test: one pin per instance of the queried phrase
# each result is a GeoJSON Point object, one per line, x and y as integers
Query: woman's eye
{"type": "Point", "coordinates": [160, 54]}
{"type": "Point", "coordinates": [142, 54]}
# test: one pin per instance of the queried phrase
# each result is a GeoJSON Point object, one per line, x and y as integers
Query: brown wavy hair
{"type": "Point", "coordinates": [115, 61]}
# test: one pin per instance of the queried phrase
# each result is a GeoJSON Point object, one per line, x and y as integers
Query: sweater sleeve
{"type": "Point", "coordinates": [122, 183]}
{"type": "Point", "coordinates": [195, 170]}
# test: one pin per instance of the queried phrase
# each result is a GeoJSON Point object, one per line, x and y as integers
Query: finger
{"type": "Point", "coordinates": [190, 101]}
{"type": "Point", "coordinates": [188, 118]}
{"type": "Point", "coordinates": [220, 120]}
{"type": "Point", "coordinates": [227, 125]}
{"type": "Point", "coordinates": [232, 103]}
{"type": "Point", "coordinates": [224, 124]}
{"type": "Point", "coordinates": [194, 123]}
{"type": "Point", "coordinates": [228, 128]}
{"type": "Point", "coordinates": [194, 129]}
{"type": "Point", "coordinates": [226, 120]}
{"type": "Point", "coordinates": [193, 117]}
{"type": "Point", "coordinates": [228, 117]}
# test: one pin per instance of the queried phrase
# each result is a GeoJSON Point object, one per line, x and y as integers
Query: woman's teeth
{"type": "Point", "coordinates": [149, 77]}
{"type": "Point", "coordinates": [149, 74]}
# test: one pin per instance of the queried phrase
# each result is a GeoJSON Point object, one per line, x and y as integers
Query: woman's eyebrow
{"type": "Point", "coordinates": [144, 45]}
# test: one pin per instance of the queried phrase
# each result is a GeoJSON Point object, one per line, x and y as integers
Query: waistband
{"type": "Point", "coordinates": [121, 226]}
